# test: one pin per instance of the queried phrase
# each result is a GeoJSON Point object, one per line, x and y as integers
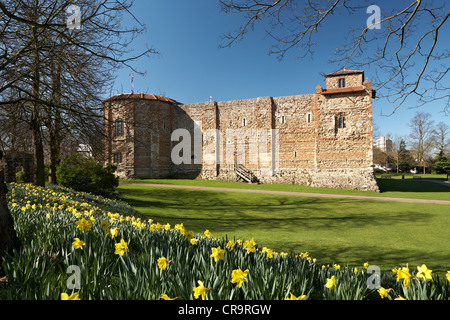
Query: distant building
{"type": "Point", "coordinates": [85, 149]}
{"type": "Point", "coordinates": [384, 144]}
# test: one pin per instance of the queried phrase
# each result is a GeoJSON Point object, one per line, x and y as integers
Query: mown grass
{"type": "Point", "coordinates": [408, 188]}
{"type": "Point", "coordinates": [343, 231]}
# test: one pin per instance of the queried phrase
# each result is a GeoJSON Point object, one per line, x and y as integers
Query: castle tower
{"type": "Point", "coordinates": [344, 130]}
{"type": "Point", "coordinates": [137, 128]}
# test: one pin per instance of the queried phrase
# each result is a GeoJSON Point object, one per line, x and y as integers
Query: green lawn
{"type": "Point", "coordinates": [408, 188]}
{"type": "Point", "coordinates": [343, 231]}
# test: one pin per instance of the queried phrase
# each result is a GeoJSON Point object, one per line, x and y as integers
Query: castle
{"type": "Point", "coordinates": [323, 139]}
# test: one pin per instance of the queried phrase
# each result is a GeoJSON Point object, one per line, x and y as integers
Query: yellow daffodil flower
{"type": "Point", "coordinates": [162, 263]}
{"type": "Point", "coordinates": [75, 296]}
{"type": "Point", "coordinates": [383, 292]}
{"type": "Point", "coordinates": [84, 225]}
{"type": "Point", "coordinates": [238, 276]}
{"type": "Point", "coordinates": [230, 245]}
{"type": "Point", "coordinates": [104, 224]}
{"type": "Point", "coordinates": [217, 253]}
{"type": "Point", "coordinates": [403, 273]}
{"type": "Point", "coordinates": [201, 290]}
{"type": "Point", "coordinates": [113, 232]}
{"type": "Point", "coordinates": [448, 276]}
{"type": "Point", "coordinates": [424, 273]}
{"type": "Point", "coordinates": [121, 247]}
{"type": "Point", "coordinates": [78, 244]}
{"type": "Point", "coordinates": [292, 297]}
{"type": "Point", "coordinates": [250, 245]}
{"type": "Point", "coordinates": [331, 283]}
{"type": "Point", "coordinates": [166, 297]}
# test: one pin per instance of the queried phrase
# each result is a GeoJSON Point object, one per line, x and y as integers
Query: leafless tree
{"type": "Point", "coordinates": [406, 44]}
{"type": "Point", "coordinates": [57, 75]}
{"type": "Point", "coordinates": [52, 76]}
{"type": "Point", "coordinates": [422, 137]}
{"type": "Point", "coordinates": [441, 137]}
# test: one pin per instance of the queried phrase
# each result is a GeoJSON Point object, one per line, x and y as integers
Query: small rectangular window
{"type": "Point", "coordinates": [244, 122]}
{"type": "Point", "coordinates": [342, 83]}
{"type": "Point", "coordinates": [119, 128]}
{"type": "Point", "coordinates": [117, 158]}
{"type": "Point", "coordinates": [283, 120]}
{"type": "Point", "coordinates": [342, 123]}
{"type": "Point", "coordinates": [309, 118]}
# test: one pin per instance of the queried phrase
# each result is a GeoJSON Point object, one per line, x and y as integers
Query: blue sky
{"type": "Point", "coordinates": [191, 68]}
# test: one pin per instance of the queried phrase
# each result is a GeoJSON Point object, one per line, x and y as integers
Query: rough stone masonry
{"type": "Point", "coordinates": [323, 139]}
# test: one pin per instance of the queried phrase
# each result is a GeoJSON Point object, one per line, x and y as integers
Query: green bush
{"type": "Point", "coordinates": [87, 175]}
{"type": "Point", "coordinates": [20, 176]}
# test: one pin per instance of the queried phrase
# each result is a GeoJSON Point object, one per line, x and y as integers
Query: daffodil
{"type": "Point", "coordinates": [424, 272]}
{"type": "Point", "coordinates": [104, 224]}
{"type": "Point", "coordinates": [162, 263]}
{"type": "Point", "coordinates": [166, 297]}
{"type": "Point", "coordinates": [400, 298]}
{"type": "Point", "coordinates": [403, 273]}
{"type": "Point", "coordinates": [292, 297]}
{"type": "Point", "coordinates": [448, 276]}
{"type": "Point", "coordinates": [121, 247]}
{"type": "Point", "coordinates": [331, 283]}
{"type": "Point", "coordinates": [84, 225]}
{"type": "Point", "coordinates": [201, 290]}
{"type": "Point", "coordinates": [78, 244]}
{"type": "Point", "coordinates": [207, 234]}
{"type": "Point", "coordinates": [113, 232]}
{"type": "Point", "coordinates": [238, 276]}
{"type": "Point", "coordinates": [366, 265]}
{"type": "Point", "coordinates": [230, 245]}
{"type": "Point", "coordinates": [75, 296]}
{"type": "Point", "coordinates": [383, 292]}
{"type": "Point", "coordinates": [250, 245]}
{"type": "Point", "coordinates": [217, 253]}
{"type": "Point", "coordinates": [194, 241]}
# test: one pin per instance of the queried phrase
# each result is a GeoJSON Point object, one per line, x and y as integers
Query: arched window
{"type": "Point", "coordinates": [118, 128]}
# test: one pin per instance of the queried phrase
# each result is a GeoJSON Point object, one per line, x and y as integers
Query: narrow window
{"type": "Point", "coordinates": [342, 123]}
{"type": "Point", "coordinates": [309, 118]}
{"type": "Point", "coordinates": [295, 154]}
{"type": "Point", "coordinates": [283, 119]}
{"type": "Point", "coordinates": [118, 128]}
{"type": "Point", "coordinates": [117, 158]}
{"type": "Point", "coordinates": [342, 83]}
{"type": "Point", "coordinates": [244, 122]}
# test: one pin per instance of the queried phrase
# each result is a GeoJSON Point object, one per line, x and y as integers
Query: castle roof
{"type": "Point", "coordinates": [344, 72]}
{"type": "Point", "coordinates": [140, 96]}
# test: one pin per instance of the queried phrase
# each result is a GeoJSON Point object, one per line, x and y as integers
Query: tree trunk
{"type": "Point", "coordinates": [55, 120]}
{"type": "Point", "coordinates": [39, 164]}
{"type": "Point", "coordinates": [8, 237]}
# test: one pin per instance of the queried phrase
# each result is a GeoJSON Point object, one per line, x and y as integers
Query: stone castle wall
{"type": "Point", "coordinates": [295, 139]}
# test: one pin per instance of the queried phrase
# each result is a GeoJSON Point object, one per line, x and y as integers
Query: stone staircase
{"type": "Point", "coordinates": [245, 174]}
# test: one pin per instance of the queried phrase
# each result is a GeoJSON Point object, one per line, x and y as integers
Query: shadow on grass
{"type": "Point", "coordinates": [397, 185]}
{"type": "Point", "coordinates": [344, 231]}
{"type": "Point", "coordinates": [228, 211]}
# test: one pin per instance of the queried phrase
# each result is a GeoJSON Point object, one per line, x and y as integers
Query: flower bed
{"type": "Point", "coordinates": [80, 246]}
